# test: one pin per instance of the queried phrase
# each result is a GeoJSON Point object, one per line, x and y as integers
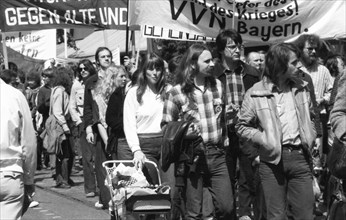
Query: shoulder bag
{"type": "Point", "coordinates": [337, 159]}
{"type": "Point", "coordinates": [172, 140]}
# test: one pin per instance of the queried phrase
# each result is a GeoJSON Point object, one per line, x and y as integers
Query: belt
{"type": "Point", "coordinates": [291, 147]}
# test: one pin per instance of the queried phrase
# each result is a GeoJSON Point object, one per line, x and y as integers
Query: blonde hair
{"type": "Point", "coordinates": [104, 89]}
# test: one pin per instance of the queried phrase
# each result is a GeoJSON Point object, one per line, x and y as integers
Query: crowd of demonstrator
{"type": "Point", "coordinates": [265, 125]}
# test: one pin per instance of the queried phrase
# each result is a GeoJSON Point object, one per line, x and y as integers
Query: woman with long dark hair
{"type": "Point", "coordinates": [84, 71]}
{"type": "Point", "coordinates": [143, 111]}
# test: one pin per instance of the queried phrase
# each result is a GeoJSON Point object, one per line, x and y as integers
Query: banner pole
{"type": "Point", "coordinates": [133, 43]}
{"type": "Point", "coordinates": [105, 37]}
{"type": "Point", "coordinates": [4, 49]}
{"type": "Point", "coordinates": [65, 42]}
{"type": "Point", "coordinates": [233, 14]}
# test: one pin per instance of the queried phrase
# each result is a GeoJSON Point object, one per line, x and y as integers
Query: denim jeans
{"type": "Point", "coordinates": [88, 157]}
{"type": "Point", "coordinates": [212, 172]}
{"type": "Point", "coordinates": [288, 186]}
{"type": "Point", "coordinates": [123, 150]}
{"type": "Point", "coordinates": [100, 171]}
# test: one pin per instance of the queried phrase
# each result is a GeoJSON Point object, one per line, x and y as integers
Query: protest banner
{"type": "Point", "coordinates": [259, 22]}
{"type": "Point", "coordinates": [20, 15]}
{"type": "Point", "coordinates": [33, 44]}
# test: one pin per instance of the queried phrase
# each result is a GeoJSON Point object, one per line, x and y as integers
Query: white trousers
{"type": "Point", "coordinates": [11, 195]}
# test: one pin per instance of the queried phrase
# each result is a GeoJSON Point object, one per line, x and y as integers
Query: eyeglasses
{"type": "Point", "coordinates": [235, 46]}
{"type": "Point", "coordinates": [82, 68]}
{"type": "Point", "coordinates": [104, 56]}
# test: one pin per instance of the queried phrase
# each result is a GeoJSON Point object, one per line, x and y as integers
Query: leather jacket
{"type": "Point", "coordinates": [259, 119]}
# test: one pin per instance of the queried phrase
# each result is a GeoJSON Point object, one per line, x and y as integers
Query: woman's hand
{"type": "Point", "coordinates": [139, 159]}
{"type": "Point", "coordinates": [90, 138]}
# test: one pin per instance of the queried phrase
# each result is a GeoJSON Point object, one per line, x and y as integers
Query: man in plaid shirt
{"type": "Point", "coordinates": [198, 96]}
{"type": "Point", "coordinates": [237, 77]}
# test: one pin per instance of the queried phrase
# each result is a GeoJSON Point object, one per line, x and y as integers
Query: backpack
{"type": "Point", "coordinates": [173, 137]}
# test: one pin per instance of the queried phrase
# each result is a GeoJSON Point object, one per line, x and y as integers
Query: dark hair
{"type": "Point", "coordinates": [35, 76]}
{"type": "Point", "coordinates": [98, 51]}
{"type": "Point", "coordinates": [310, 38]}
{"type": "Point", "coordinates": [63, 77]}
{"type": "Point", "coordinates": [332, 64]}
{"type": "Point", "coordinates": [186, 74]}
{"type": "Point", "coordinates": [49, 71]}
{"type": "Point", "coordinates": [173, 65]}
{"type": "Point", "coordinates": [89, 66]}
{"type": "Point", "coordinates": [7, 75]}
{"type": "Point", "coordinates": [149, 62]}
{"type": "Point", "coordinates": [277, 59]}
{"type": "Point", "coordinates": [12, 66]}
{"type": "Point", "coordinates": [221, 39]}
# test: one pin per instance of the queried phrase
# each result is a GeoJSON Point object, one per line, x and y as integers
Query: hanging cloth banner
{"type": "Point", "coordinates": [33, 44]}
{"type": "Point", "coordinates": [20, 15]}
{"type": "Point", "coordinates": [259, 22]}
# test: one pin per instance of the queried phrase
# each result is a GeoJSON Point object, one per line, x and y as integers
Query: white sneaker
{"type": "Point", "coordinates": [98, 205]}
{"type": "Point", "coordinates": [245, 217]}
{"type": "Point", "coordinates": [33, 204]}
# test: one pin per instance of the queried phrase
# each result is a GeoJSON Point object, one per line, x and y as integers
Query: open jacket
{"type": "Point", "coordinates": [259, 120]}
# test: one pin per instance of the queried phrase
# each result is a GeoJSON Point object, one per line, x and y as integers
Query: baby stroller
{"type": "Point", "coordinates": [138, 196]}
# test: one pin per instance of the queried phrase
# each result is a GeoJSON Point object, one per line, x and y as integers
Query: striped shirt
{"type": "Point", "coordinates": [323, 84]}
{"type": "Point", "coordinates": [204, 109]}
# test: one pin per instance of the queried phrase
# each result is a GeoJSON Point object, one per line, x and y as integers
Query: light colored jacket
{"type": "Point", "coordinates": [17, 134]}
{"type": "Point", "coordinates": [259, 120]}
{"type": "Point", "coordinates": [59, 103]}
{"type": "Point", "coordinates": [77, 102]}
{"type": "Point", "coordinates": [338, 114]}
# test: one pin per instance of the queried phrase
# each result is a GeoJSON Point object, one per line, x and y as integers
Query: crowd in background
{"type": "Point", "coordinates": [265, 120]}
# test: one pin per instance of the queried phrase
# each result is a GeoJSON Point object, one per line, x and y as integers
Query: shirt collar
{"type": "Point", "coordinates": [239, 70]}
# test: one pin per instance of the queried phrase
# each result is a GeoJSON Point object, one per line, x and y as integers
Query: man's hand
{"type": "Point", "coordinates": [256, 161]}
{"type": "Point", "coordinates": [318, 144]}
{"type": "Point", "coordinates": [192, 132]}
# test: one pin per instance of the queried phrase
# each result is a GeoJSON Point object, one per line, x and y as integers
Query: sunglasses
{"type": "Point", "coordinates": [82, 68]}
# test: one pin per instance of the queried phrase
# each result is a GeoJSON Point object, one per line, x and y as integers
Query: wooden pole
{"type": "Point", "coordinates": [65, 42]}
{"type": "Point", "coordinates": [4, 49]}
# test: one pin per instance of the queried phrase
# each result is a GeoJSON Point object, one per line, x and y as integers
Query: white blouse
{"type": "Point", "coordinates": [142, 118]}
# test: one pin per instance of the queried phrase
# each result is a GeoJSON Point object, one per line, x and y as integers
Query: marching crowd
{"type": "Point", "coordinates": [265, 123]}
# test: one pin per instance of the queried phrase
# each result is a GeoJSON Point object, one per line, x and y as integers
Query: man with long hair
{"type": "Point", "coordinates": [198, 96]}
{"type": "Point", "coordinates": [277, 116]}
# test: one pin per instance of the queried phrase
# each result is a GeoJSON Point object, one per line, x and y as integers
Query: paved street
{"type": "Point", "coordinates": [63, 203]}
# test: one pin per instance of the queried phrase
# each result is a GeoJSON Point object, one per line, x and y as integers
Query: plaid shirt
{"type": "Point", "coordinates": [235, 91]}
{"type": "Point", "coordinates": [205, 112]}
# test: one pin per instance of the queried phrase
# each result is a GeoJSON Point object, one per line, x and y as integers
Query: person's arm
{"type": "Point", "coordinates": [88, 107]}
{"type": "Point", "coordinates": [338, 114]}
{"type": "Point", "coordinates": [58, 108]}
{"type": "Point", "coordinates": [114, 114]}
{"type": "Point", "coordinates": [73, 108]}
{"type": "Point", "coordinates": [328, 81]}
{"type": "Point", "coordinates": [246, 126]}
{"type": "Point", "coordinates": [28, 143]}
{"type": "Point", "coordinates": [129, 117]}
